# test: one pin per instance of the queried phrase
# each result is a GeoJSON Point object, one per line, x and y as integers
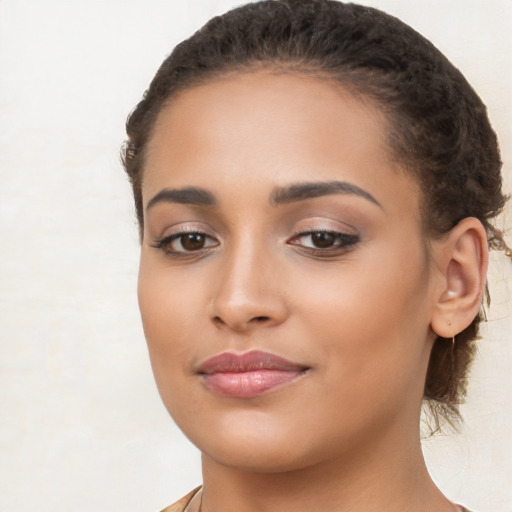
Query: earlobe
{"type": "Point", "coordinates": [462, 259]}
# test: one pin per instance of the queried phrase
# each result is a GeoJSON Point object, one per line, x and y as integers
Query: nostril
{"type": "Point", "coordinates": [241, 324]}
{"type": "Point", "coordinates": [260, 319]}
{"type": "Point", "coordinates": [218, 320]}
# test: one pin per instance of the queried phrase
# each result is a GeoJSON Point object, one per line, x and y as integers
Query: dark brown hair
{"type": "Point", "coordinates": [439, 128]}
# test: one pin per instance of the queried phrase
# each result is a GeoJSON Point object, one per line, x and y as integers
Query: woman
{"type": "Point", "coordinates": [315, 185]}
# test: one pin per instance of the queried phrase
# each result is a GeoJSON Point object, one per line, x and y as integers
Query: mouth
{"type": "Point", "coordinates": [248, 375]}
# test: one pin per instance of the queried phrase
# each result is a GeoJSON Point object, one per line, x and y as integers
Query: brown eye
{"type": "Point", "coordinates": [181, 244]}
{"type": "Point", "coordinates": [325, 242]}
{"type": "Point", "coordinates": [323, 239]}
{"type": "Point", "coordinates": [192, 241]}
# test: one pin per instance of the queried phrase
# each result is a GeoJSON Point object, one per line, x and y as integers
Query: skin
{"type": "Point", "coordinates": [361, 317]}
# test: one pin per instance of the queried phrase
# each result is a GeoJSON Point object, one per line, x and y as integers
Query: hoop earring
{"type": "Point", "coordinates": [453, 340]}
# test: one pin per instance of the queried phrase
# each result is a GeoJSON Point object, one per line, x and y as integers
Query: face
{"type": "Point", "coordinates": [284, 279]}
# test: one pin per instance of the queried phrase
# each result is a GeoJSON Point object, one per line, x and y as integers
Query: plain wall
{"type": "Point", "coordinates": [81, 424]}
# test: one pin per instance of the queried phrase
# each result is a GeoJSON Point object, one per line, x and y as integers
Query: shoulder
{"type": "Point", "coordinates": [180, 505]}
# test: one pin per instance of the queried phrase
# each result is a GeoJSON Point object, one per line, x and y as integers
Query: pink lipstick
{"type": "Point", "coordinates": [248, 375]}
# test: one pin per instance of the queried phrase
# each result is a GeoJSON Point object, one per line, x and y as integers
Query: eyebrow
{"type": "Point", "coordinates": [310, 190]}
{"type": "Point", "coordinates": [282, 195]}
{"type": "Point", "coordinates": [187, 195]}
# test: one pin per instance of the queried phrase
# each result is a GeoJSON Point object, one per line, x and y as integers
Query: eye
{"type": "Point", "coordinates": [324, 241]}
{"type": "Point", "coordinates": [185, 243]}
{"type": "Point", "coordinates": [190, 242]}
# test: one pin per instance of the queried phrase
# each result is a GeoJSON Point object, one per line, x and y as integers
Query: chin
{"type": "Point", "coordinates": [257, 458]}
{"type": "Point", "coordinates": [255, 442]}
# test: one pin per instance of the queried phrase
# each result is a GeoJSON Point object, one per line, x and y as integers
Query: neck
{"type": "Point", "coordinates": [383, 476]}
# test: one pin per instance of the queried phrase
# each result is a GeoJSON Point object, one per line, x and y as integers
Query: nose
{"type": "Point", "coordinates": [249, 294]}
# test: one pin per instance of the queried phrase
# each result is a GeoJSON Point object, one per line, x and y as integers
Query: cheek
{"type": "Point", "coordinates": [371, 316]}
{"type": "Point", "coordinates": [168, 309]}
{"type": "Point", "coordinates": [168, 299]}
{"type": "Point", "coordinates": [381, 287]}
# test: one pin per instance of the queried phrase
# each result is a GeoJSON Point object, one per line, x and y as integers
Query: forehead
{"type": "Point", "coordinates": [272, 104]}
{"type": "Point", "coordinates": [270, 127]}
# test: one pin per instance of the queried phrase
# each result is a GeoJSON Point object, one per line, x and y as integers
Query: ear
{"type": "Point", "coordinates": [461, 262]}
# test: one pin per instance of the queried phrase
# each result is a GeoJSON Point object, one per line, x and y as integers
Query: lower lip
{"type": "Point", "coordinates": [249, 384]}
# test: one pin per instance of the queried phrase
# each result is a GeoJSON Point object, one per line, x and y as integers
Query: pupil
{"type": "Point", "coordinates": [323, 239]}
{"type": "Point", "coordinates": [192, 242]}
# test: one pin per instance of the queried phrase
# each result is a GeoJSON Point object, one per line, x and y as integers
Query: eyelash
{"type": "Point", "coordinates": [165, 244]}
{"type": "Point", "coordinates": [342, 243]}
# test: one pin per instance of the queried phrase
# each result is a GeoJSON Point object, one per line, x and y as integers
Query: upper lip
{"type": "Point", "coordinates": [229, 362]}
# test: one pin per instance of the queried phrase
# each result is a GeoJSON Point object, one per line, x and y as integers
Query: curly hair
{"type": "Point", "coordinates": [439, 129]}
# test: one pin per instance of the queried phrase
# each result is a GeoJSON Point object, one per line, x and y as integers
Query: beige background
{"type": "Point", "coordinates": [81, 424]}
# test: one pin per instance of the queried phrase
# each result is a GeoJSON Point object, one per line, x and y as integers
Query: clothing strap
{"type": "Point", "coordinates": [181, 505]}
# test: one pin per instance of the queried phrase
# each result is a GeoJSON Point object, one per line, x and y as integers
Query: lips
{"type": "Point", "coordinates": [248, 375]}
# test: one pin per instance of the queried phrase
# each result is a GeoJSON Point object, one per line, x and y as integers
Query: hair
{"type": "Point", "coordinates": [438, 126]}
